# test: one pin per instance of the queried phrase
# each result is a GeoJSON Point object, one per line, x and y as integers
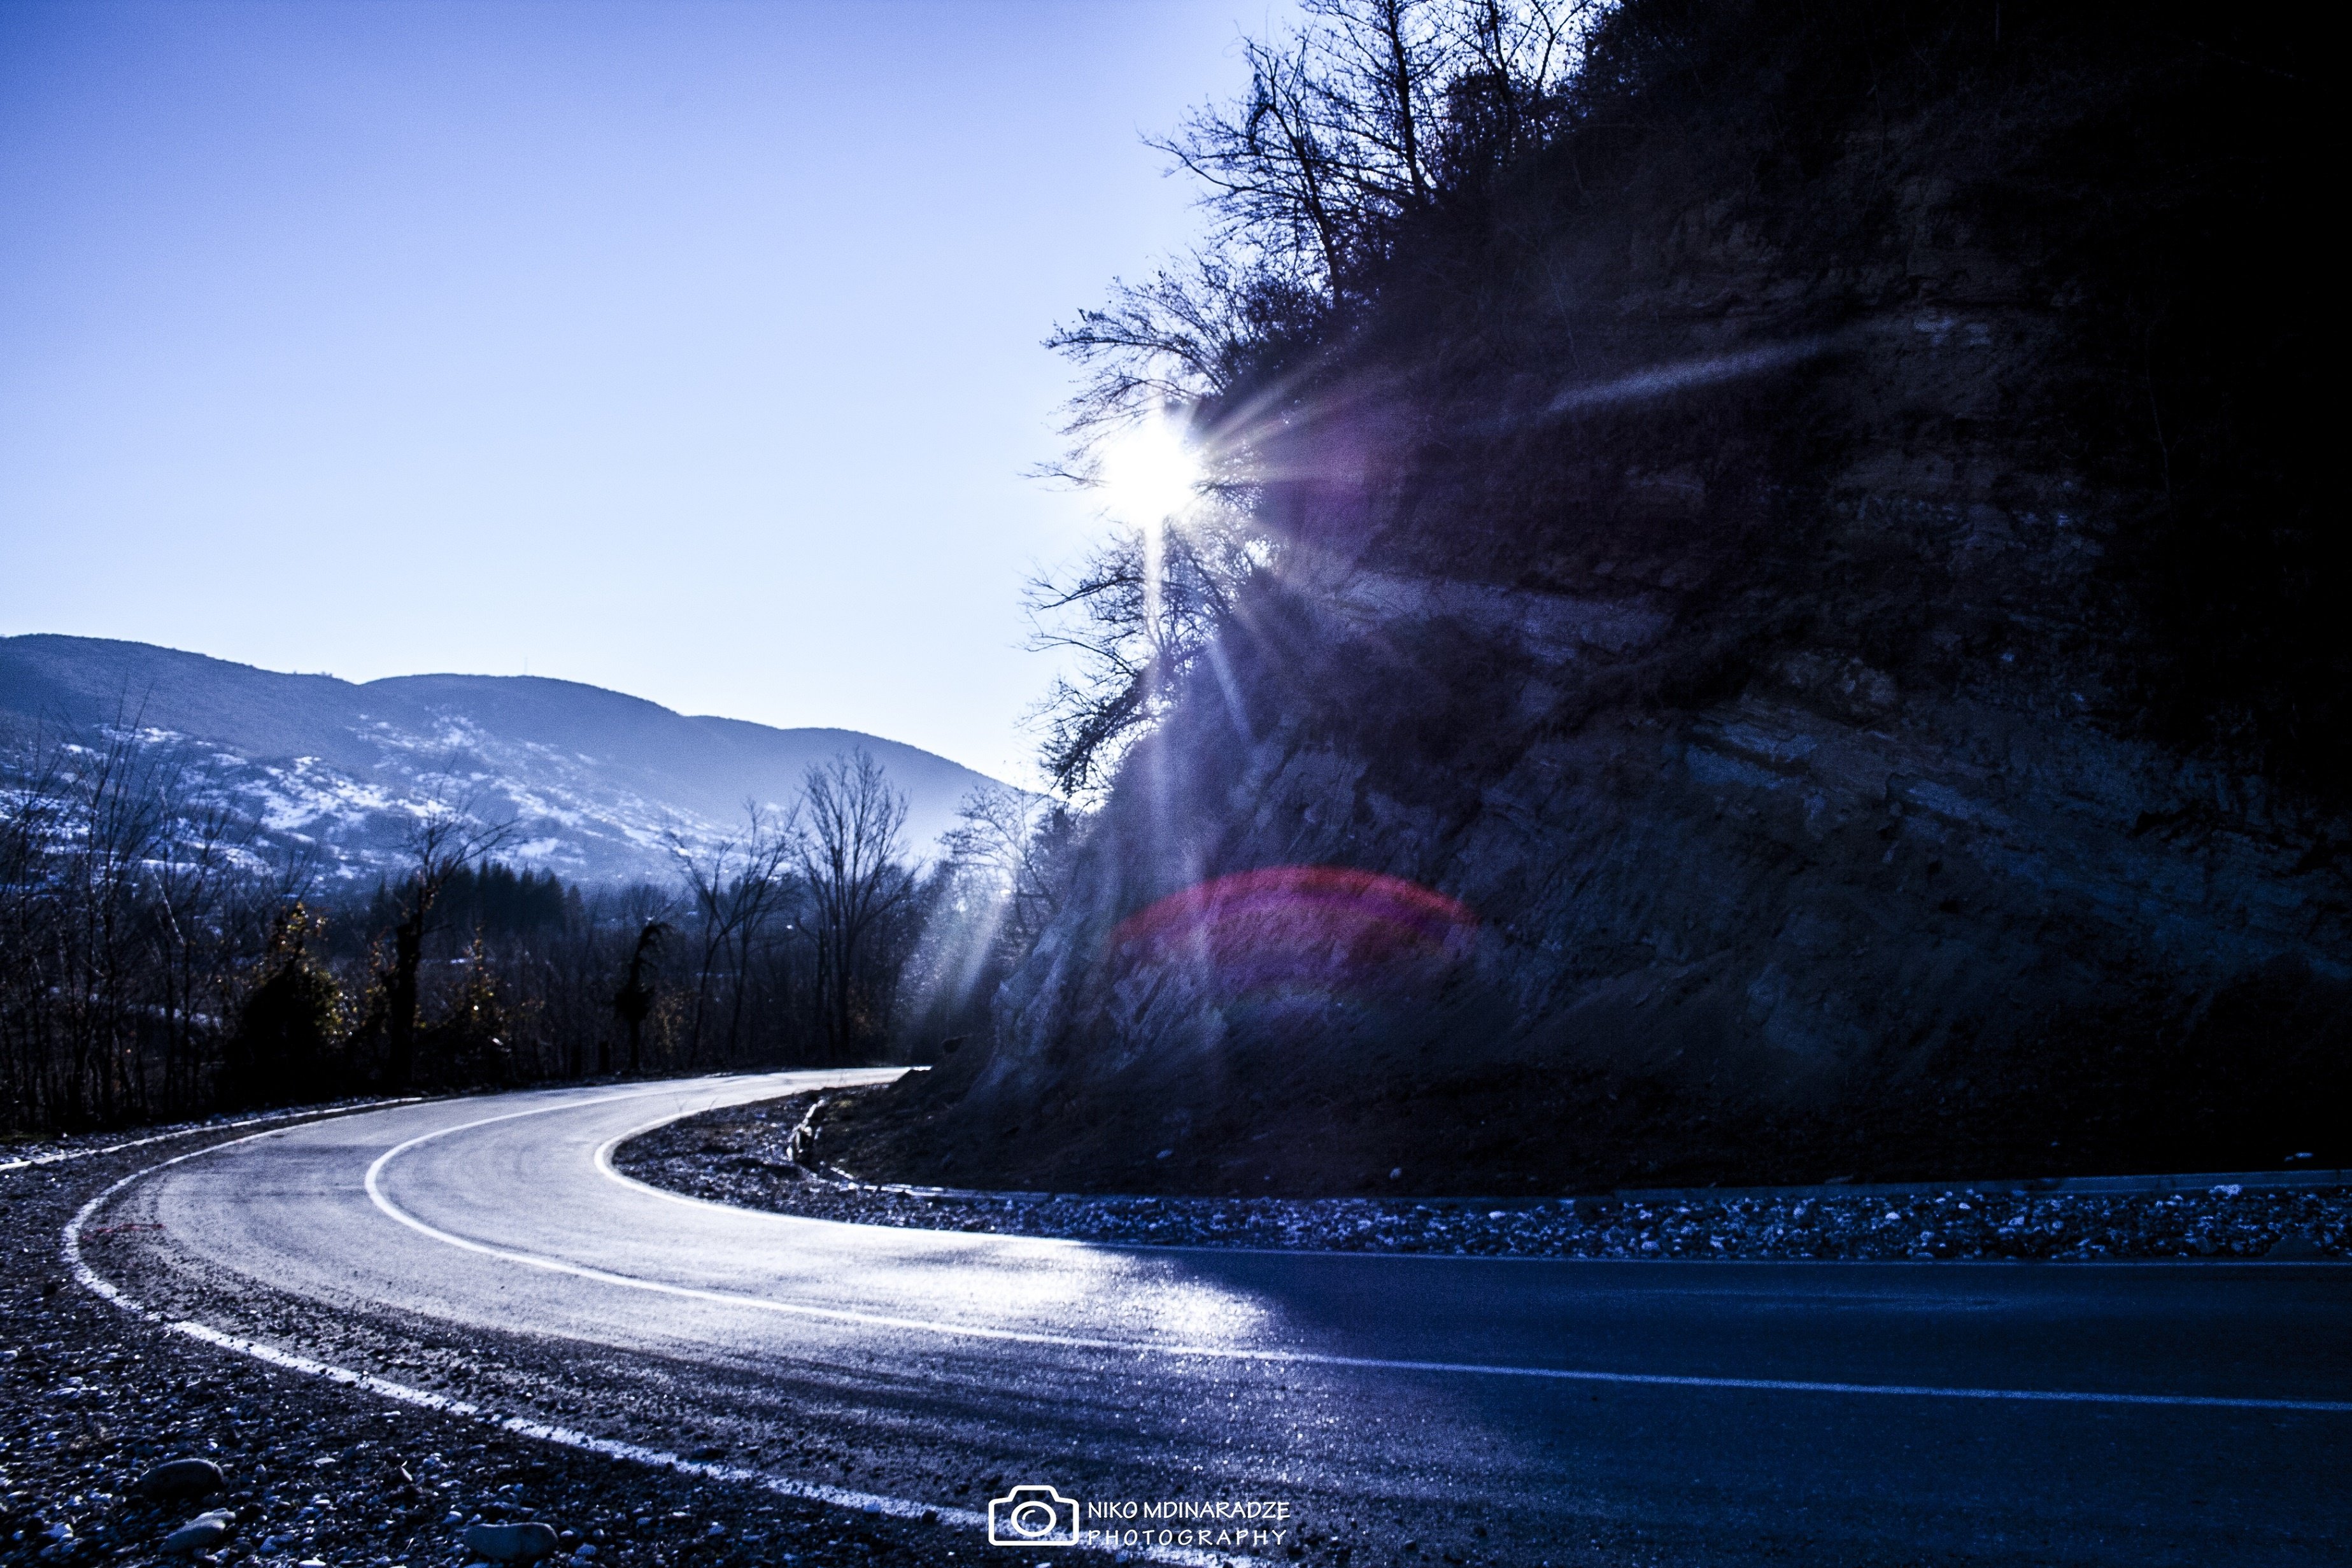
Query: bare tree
{"type": "Point", "coordinates": [1003, 877]}
{"type": "Point", "coordinates": [443, 839]}
{"type": "Point", "coordinates": [158, 957]}
{"type": "Point", "coordinates": [1136, 640]}
{"type": "Point", "coordinates": [1343, 129]}
{"type": "Point", "coordinates": [854, 878]}
{"type": "Point", "coordinates": [1368, 115]}
{"type": "Point", "coordinates": [33, 823]}
{"type": "Point", "coordinates": [736, 886]}
{"type": "Point", "coordinates": [634, 1002]}
{"type": "Point", "coordinates": [1190, 333]}
{"type": "Point", "coordinates": [190, 884]}
{"type": "Point", "coordinates": [119, 882]}
{"type": "Point", "coordinates": [1006, 843]}
{"type": "Point", "coordinates": [759, 895]}
{"type": "Point", "coordinates": [120, 801]}
{"type": "Point", "coordinates": [1362, 117]}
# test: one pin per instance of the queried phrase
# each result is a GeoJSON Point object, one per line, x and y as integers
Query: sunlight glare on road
{"type": "Point", "coordinates": [1021, 1285]}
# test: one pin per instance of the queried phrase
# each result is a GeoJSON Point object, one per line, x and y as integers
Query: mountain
{"type": "Point", "coordinates": [594, 779]}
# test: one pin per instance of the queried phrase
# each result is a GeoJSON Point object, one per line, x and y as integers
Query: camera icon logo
{"type": "Point", "coordinates": [1033, 1516]}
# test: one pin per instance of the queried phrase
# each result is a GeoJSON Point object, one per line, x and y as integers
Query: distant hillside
{"type": "Point", "coordinates": [593, 778]}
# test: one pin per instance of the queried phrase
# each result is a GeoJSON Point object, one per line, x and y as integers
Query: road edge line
{"type": "Point", "coordinates": [521, 1426]}
{"type": "Point", "coordinates": [315, 1113]}
{"type": "Point", "coordinates": [1275, 1357]}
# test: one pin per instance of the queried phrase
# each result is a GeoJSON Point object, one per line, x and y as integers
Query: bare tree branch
{"type": "Point", "coordinates": [851, 854]}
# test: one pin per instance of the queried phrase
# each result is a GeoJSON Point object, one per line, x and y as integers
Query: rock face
{"type": "Point", "coordinates": [1770, 937]}
{"type": "Point", "coordinates": [1735, 570]}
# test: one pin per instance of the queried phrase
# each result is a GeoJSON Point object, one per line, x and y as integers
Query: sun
{"type": "Point", "coordinates": [1149, 473]}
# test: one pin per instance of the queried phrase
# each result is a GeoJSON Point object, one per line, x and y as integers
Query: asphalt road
{"type": "Point", "coordinates": [1499, 1410]}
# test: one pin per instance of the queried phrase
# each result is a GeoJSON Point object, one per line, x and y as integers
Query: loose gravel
{"type": "Point", "coordinates": [750, 1155]}
{"type": "Point", "coordinates": [92, 1399]}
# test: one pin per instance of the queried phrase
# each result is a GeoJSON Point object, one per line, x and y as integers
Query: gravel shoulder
{"type": "Point", "coordinates": [771, 1155]}
{"type": "Point", "coordinates": [93, 1397]}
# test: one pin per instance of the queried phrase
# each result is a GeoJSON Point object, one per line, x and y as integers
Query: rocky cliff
{"type": "Point", "coordinates": [1818, 565]}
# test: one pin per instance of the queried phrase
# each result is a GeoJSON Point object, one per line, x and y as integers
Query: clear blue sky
{"type": "Point", "coordinates": [685, 349]}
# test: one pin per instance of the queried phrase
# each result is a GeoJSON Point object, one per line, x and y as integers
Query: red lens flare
{"type": "Point", "coordinates": [1291, 925]}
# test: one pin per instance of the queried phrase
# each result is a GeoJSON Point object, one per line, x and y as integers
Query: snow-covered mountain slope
{"type": "Point", "coordinates": [594, 779]}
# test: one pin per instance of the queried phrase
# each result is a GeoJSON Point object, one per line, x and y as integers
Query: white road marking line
{"type": "Point", "coordinates": [207, 1127]}
{"type": "Point", "coordinates": [538, 1431]}
{"type": "Point", "coordinates": [783, 1486]}
{"type": "Point", "coordinates": [1280, 1357]}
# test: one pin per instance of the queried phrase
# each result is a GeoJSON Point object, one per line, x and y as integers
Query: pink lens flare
{"type": "Point", "coordinates": [1301, 923]}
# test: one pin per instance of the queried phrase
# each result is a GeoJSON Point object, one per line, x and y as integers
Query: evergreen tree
{"type": "Point", "coordinates": [290, 1038]}
{"type": "Point", "coordinates": [634, 1002]}
{"type": "Point", "coordinates": [467, 1046]}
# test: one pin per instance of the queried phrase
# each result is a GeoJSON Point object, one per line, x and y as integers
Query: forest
{"type": "Point", "coordinates": [156, 965]}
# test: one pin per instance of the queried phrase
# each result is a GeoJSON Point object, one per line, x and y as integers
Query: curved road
{"type": "Point", "coordinates": [484, 1251]}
